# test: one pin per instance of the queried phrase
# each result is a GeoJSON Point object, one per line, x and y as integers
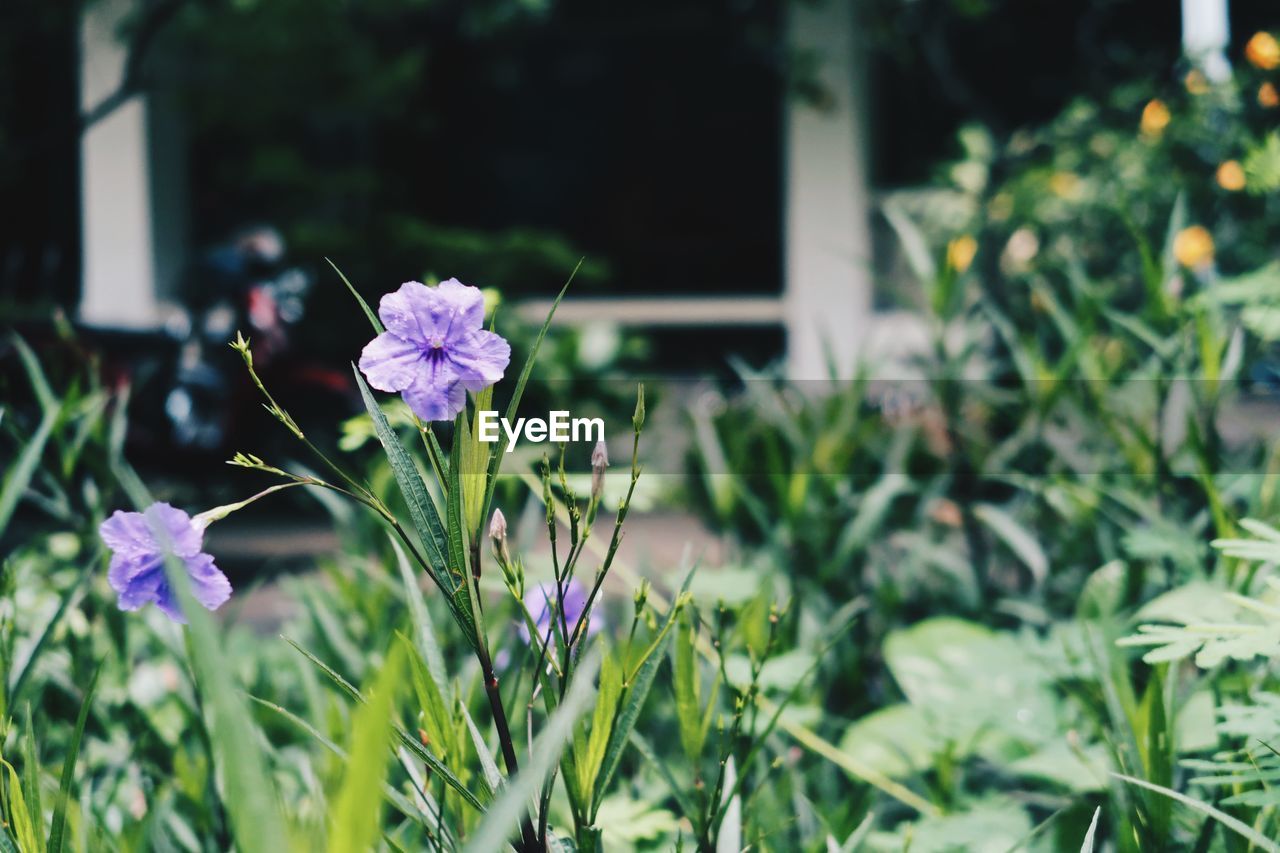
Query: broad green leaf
{"type": "Point", "coordinates": [895, 741]}
{"type": "Point", "coordinates": [505, 813]}
{"type": "Point", "coordinates": [357, 811]}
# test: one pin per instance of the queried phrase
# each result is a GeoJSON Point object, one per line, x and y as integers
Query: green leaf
{"type": "Point", "coordinates": [364, 306]}
{"type": "Point", "coordinates": [475, 464]}
{"type": "Point", "coordinates": [31, 769]}
{"type": "Point", "coordinates": [406, 739]}
{"type": "Point", "coordinates": [688, 684]}
{"type": "Point", "coordinates": [435, 713]}
{"type": "Point", "coordinates": [505, 813]}
{"type": "Point", "coordinates": [423, 513]}
{"type": "Point", "coordinates": [357, 812]}
{"type": "Point", "coordinates": [57, 834]}
{"type": "Point", "coordinates": [635, 691]}
{"type": "Point", "coordinates": [18, 815]}
{"type": "Point", "coordinates": [895, 741]}
{"type": "Point", "coordinates": [1021, 541]}
{"type": "Point", "coordinates": [1087, 845]}
{"type": "Point", "coordinates": [19, 474]}
{"type": "Point", "coordinates": [601, 722]}
{"type": "Point", "coordinates": [249, 795]}
{"type": "Point", "coordinates": [495, 459]}
{"type": "Point", "coordinates": [1242, 829]}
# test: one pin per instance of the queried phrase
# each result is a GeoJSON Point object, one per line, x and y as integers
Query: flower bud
{"type": "Point", "coordinates": [637, 420]}
{"type": "Point", "coordinates": [498, 536]}
{"type": "Point", "coordinates": [599, 461]}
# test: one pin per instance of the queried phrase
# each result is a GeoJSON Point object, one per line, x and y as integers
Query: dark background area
{"type": "Point", "coordinates": [504, 140]}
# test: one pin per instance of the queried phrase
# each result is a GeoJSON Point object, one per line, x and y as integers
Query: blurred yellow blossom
{"type": "Point", "coordinates": [1155, 118]}
{"type": "Point", "coordinates": [1231, 176]}
{"type": "Point", "coordinates": [1195, 82]}
{"type": "Point", "coordinates": [960, 252]}
{"type": "Point", "coordinates": [1263, 51]}
{"type": "Point", "coordinates": [1268, 96]}
{"type": "Point", "coordinates": [1065, 184]}
{"type": "Point", "coordinates": [1193, 247]}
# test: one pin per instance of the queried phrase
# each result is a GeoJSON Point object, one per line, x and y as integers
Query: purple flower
{"type": "Point", "coordinates": [434, 349]}
{"type": "Point", "coordinates": [541, 602]}
{"type": "Point", "coordinates": [138, 556]}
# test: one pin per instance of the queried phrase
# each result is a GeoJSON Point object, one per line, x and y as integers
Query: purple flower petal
{"type": "Point", "coordinates": [541, 602]}
{"type": "Point", "coordinates": [142, 541]}
{"type": "Point", "coordinates": [390, 362]}
{"type": "Point", "coordinates": [481, 359]}
{"type": "Point", "coordinates": [434, 349]}
{"type": "Point", "coordinates": [208, 584]}
{"type": "Point", "coordinates": [435, 402]}
{"type": "Point", "coordinates": [432, 316]}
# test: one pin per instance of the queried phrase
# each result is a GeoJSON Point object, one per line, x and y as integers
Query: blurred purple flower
{"type": "Point", "coordinates": [541, 603]}
{"type": "Point", "coordinates": [137, 559]}
{"type": "Point", "coordinates": [434, 349]}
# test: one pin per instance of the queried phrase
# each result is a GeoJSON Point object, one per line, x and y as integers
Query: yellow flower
{"type": "Point", "coordinates": [1231, 176]}
{"type": "Point", "coordinates": [1263, 51]}
{"type": "Point", "coordinates": [960, 252]}
{"type": "Point", "coordinates": [1193, 247]}
{"type": "Point", "coordinates": [1155, 118]}
{"type": "Point", "coordinates": [1268, 96]}
{"type": "Point", "coordinates": [1195, 82]}
{"type": "Point", "coordinates": [1065, 184]}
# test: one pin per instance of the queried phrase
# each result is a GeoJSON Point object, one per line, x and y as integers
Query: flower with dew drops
{"type": "Point", "coordinates": [542, 603]}
{"type": "Point", "coordinates": [140, 542]}
{"type": "Point", "coordinates": [434, 349]}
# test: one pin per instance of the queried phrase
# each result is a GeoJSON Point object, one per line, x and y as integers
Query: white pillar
{"type": "Point", "coordinates": [1205, 34]}
{"type": "Point", "coordinates": [828, 292]}
{"type": "Point", "coordinates": [118, 274]}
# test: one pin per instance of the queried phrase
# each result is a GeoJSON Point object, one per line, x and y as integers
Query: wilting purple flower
{"type": "Point", "coordinates": [434, 349]}
{"type": "Point", "coordinates": [138, 557]}
{"type": "Point", "coordinates": [541, 603]}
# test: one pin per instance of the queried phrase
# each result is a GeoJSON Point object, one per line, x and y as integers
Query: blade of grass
{"type": "Point", "coordinates": [495, 459]}
{"type": "Point", "coordinates": [1237, 826]}
{"type": "Point", "coordinates": [501, 822]}
{"type": "Point", "coordinates": [364, 306]}
{"type": "Point", "coordinates": [357, 813]}
{"type": "Point", "coordinates": [57, 833]}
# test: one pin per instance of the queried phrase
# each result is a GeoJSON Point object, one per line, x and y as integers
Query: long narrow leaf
{"type": "Point", "coordinates": [504, 815]}
{"type": "Point", "coordinates": [357, 813]}
{"type": "Point", "coordinates": [57, 834]}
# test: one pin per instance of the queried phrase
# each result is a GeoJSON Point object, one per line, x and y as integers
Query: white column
{"type": "Point", "coordinates": [1205, 34]}
{"type": "Point", "coordinates": [827, 298]}
{"type": "Point", "coordinates": [118, 276]}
